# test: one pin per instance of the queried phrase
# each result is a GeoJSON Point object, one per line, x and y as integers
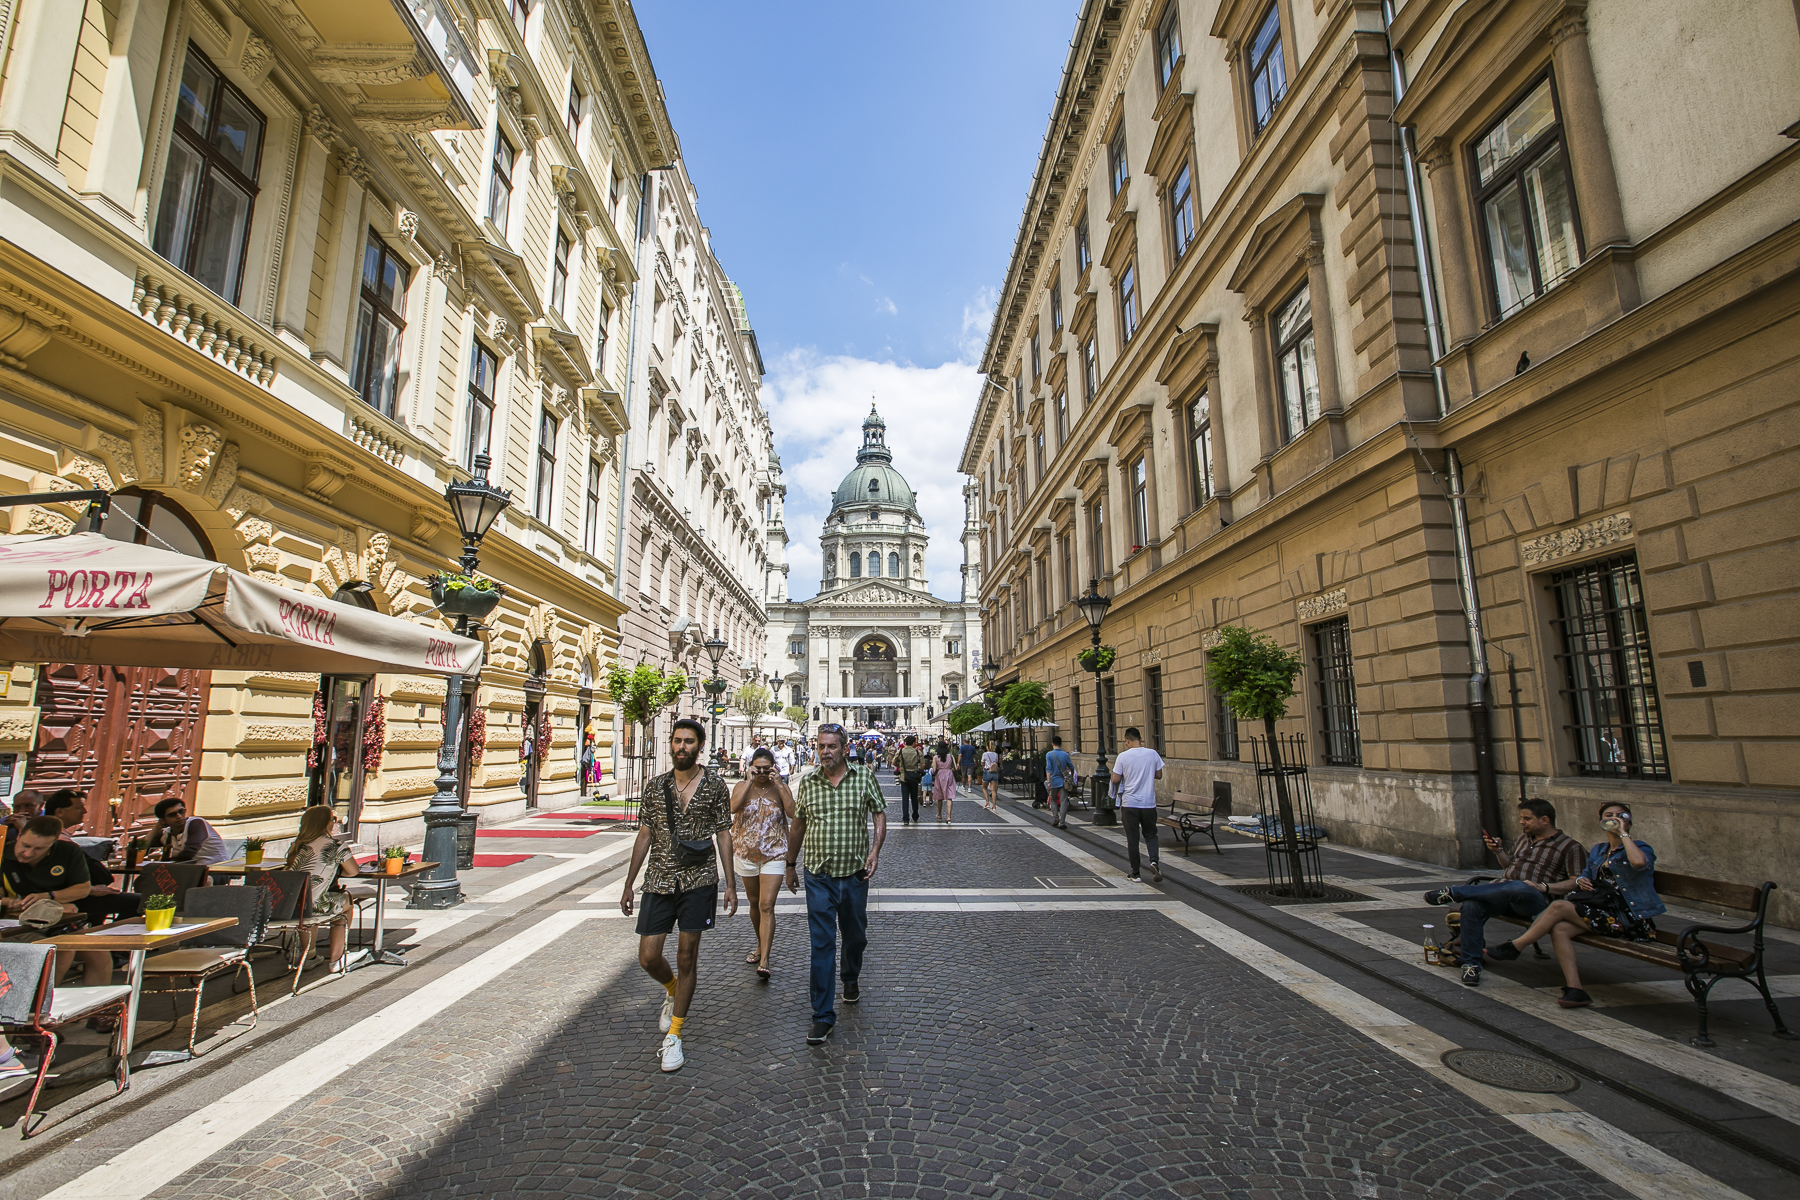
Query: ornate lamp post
{"type": "Point", "coordinates": [1093, 606]}
{"type": "Point", "coordinates": [944, 713]}
{"type": "Point", "coordinates": [476, 504]}
{"type": "Point", "coordinates": [715, 647]}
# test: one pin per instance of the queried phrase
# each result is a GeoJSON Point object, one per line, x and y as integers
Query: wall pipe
{"type": "Point", "coordinates": [1481, 716]}
{"type": "Point", "coordinates": [1415, 212]}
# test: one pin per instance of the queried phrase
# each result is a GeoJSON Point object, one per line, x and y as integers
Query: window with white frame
{"type": "Point", "coordinates": [380, 321]}
{"type": "Point", "coordinates": [600, 341]}
{"type": "Point", "coordinates": [1140, 504]}
{"type": "Point", "coordinates": [1297, 366]}
{"type": "Point", "coordinates": [573, 118]}
{"type": "Point", "coordinates": [590, 509]}
{"type": "Point", "coordinates": [500, 183]}
{"type": "Point", "coordinates": [1527, 204]}
{"type": "Point", "coordinates": [1267, 69]}
{"type": "Point", "coordinates": [209, 187]}
{"type": "Point", "coordinates": [543, 499]}
{"type": "Point", "coordinates": [520, 11]}
{"type": "Point", "coordinates": [1118, 172]}
{"type": "Point", "coordinates": [1183, 211]}
{"type": "Point", "coordinates": [480, 423]}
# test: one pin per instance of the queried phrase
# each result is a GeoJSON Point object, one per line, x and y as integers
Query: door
{"type": "Point", "coordinates": [340, 759]}
{"type": "Point", "coordinates": [533, 745]}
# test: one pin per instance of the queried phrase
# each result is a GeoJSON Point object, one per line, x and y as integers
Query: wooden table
{"type": "Point", "coordinates": [369, 955]}
{"type": "Point", "coordinates": [136, 941]}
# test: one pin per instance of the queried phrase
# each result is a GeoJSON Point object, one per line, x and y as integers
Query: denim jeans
{"type": "Point", "coordinates": [834, 903]}
{"type": "Point", "coordinates": [1508, 898]}
{"type": "Point", "coordinates": [1138, 821]}
{"type": "Point", "coordinates": [909, 800]}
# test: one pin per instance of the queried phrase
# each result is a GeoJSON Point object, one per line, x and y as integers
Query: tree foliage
{"type": "Point", "coordinates": [643, 691]}
{"type": "Point", "coordinates": [795, 713]}
{"type": "Point", "coordinates": [752, 700]}
{"type": "Point", "coordinates": [1027, 700]}
{"type": "Point", "coordinates": [967, 716]}
{"type": "Point", "coordinates": [1254, 673]}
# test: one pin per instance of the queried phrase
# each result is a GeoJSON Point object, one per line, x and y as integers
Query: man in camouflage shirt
{"type": "Point", "coordinates": [678, 891]}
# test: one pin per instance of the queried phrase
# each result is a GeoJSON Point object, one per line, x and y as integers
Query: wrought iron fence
{"type": "Point", "coordinates": [1288, 827]}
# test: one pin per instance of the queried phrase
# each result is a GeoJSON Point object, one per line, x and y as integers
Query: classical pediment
{"type": "Point", "coordinates": [871, 594]}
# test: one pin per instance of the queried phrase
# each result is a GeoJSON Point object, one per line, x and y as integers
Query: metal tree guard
{"type": "Point", "coordinates": [1290, 832]}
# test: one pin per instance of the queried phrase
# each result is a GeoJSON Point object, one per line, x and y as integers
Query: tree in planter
{"type": "Point", "coordinates": [752, 700]}
{"type": "Point", "coordinates": [643, 691]}
{"type": "Point", "coordinates": [967, 716]}
{"type": "Point", "coordinates": [1023, 703]}
{"type": "Point", "coordinates": [1255, 674]}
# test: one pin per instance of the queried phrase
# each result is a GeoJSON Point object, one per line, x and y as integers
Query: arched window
{"type": "Point", "coordinates": [855, 565]}
{"type": "Point", "coordinates": [874, 564]}
{"type": "Point", "coordinates": [894, 566]}
{"type": "Point", "coordinates": [152, 519]}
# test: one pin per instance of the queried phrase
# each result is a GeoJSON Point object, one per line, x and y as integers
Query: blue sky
{"type": "Point", "coordinates": [862, 168]}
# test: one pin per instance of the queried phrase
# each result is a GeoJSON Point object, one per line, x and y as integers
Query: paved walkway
{"type": "Point", "coordinates": [1033, 1025]}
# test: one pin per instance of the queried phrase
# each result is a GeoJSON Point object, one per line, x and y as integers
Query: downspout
{"type": "Point", "coordinates": [630, 375]}
{"type": "Point", "coordinates": [1481, 716]}
{"type": "Point", "coordinates": [1415, 212]}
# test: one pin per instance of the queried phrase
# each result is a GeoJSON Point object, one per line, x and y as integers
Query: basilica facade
{"type": "Point", "coordinates": [874, 648]}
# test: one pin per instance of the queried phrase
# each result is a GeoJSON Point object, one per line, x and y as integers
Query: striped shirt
{"type": "Point", "coordinates": [837, 820]}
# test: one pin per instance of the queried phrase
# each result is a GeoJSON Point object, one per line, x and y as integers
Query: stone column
{"type": "Point", "coordinates": [39, 66]}
{"type": "Point", "coordinates": [303, 226]}
{"type": "Point", "coordinates": [1584, 133]}
{"type": "Point", "coordinates": [343, 265]}
{"type": "Point", "coordinates": [1450, 210]}
{"type": "Point", "coordinates": [1268, 426]}
{"type": "Point", "coordinates": [1221, 464]}
{"type": "Point", "coordinates": [1184, 469]}
{"type": "Point", "coordinates": [1324, 342]}
{"type": "Point", "coordinates": [122, 126]}
{"type": "Point", "coordinates": [1152, 510]}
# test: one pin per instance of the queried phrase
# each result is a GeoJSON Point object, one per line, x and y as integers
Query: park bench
{"type": "Point", "coordinates": [1190, 813]}
{"type": "Point", "coordinates": [1700, 962]}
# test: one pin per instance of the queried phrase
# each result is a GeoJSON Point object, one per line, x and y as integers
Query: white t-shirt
{"type": "Point", "coordinates": [784, 760]}
{"type": "Point", "coordinates": [990, 761]}
{"type": "Point", "coordinates": [1136, 769]}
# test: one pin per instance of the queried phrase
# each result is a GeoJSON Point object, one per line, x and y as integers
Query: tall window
{"type": "Point", "coordinates": [893, 565]}
{"type": "Point", "coordinates": [1153, 705]}
{"type": "Point", "coordinates": [375, 365]}
{"type": "Point", "coordinates": [1297, 363]}
{"type": "Point", "coordinates": [1037, 443]}
{"type": "Point", "coordinates": [1527, 205]}
{"type": "Point", "coordinates": [1075, 714]}
{"type": "Point", "coordinates": [1268, 72]}
{"type": "Point", "coordinates": [600, 342]}
{"type": "Point", "coordinates": [797, 647]}
{"type": "Point", "coordinates": [203, 219]}
{"type": "Point", "coordinates": [1037, 368]}
{"type": "Point", "coordinates": [559, 271]}
{"type": "Point", "coordinates": [1056, 308]}
{"type": "Point", "coordinates": [1615, 719]}
{"type": "Point", "coordinates": [573, 119]}
{"type": "Point", "coordinates": [1097, 537]}
{"type": "Point", "coordinates": [1128, 302]}
{"type": "Point", "coordinates": [952, 649]}
{"type": "Point", "coordinates": [1019, 394]}
{"type": "Point", "coordinates": [1182, 217]}
{"type": "Point", "coordinates": [1090, 370]}
{"type": "Point", "coordinates": [1140, 504]}
{"type": "Point", "coordinates": [1337, 694]}
{"type": "Point", "coordinates": [955, 693]}
{"type": "Point", "coordinates": [1168, 44]}
{"type": "Point", "coordinates": [590, 509]}
{"type": "Point", "coordinates": [500, 183]}
{"type": "Point", "coordinates": [874, 564]}
{"type": "Point", "coordinates": [544, 499]}
{"type": "Point", "coordinates": [520, 11]}
{"type": "Point", "coordinates": [855, 565]}
{"type": "Point", "coordinates": [1117, 172]}
{"type": "Point", "coordinates": [482, 368]}
{"type": "Point", "coordinates": [1200, 464]}
{"type": "Point", "coordinates": [1061, 402]}
{"type": "Point", "coordinates": [1084, 258]}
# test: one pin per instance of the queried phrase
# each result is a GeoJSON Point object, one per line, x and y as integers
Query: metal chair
{"type": "Point", "coordinates": [34, 1008]}
{"type": "Point", "coordinates": [290, 917]}
{"type": "Point", "coordinates": [214, 954]}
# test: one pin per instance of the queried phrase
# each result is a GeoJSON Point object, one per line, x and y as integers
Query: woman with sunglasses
{"type": "Point", "coordinates": [1627, 908]}
{"type": "Point", "coordinates": [761, 807]}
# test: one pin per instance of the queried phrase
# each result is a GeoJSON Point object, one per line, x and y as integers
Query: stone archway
{"type": "Point", "coordinates": [876, 667]}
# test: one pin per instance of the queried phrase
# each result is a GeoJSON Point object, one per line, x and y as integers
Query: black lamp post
{"type": "Point", "coordinates": [944, 712]}
{"type": "Point", "coordinates": [715, 647]}
{"type": "Point", "coordinates": [476, 504]}
{"type": "Point", "coordinates": [1093, 606]}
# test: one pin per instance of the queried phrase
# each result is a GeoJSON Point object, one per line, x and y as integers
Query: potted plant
{"type": "Point", "coordinates": [1255, 675]}
{"type": "Point", "coordinates": [253, 851]}
{"type": "Point", "coordinates": [1098, 659]}
{"type": "Point", "coordinates": [159, 912]}
{"type": "Point", "coordinates": [456, 594]}
{"type": "Point", "coordinates": [392, 859]}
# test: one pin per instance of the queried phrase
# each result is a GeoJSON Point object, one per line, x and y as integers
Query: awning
{"type": "Point", "coordinates": [1001, 724]}
{"type": "Point", "coordinates": [85, 598]}
{"type": "Point", "coordinates": [873, 702]}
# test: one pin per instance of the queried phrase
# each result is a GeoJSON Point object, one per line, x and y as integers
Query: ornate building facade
{"type": "Point", "coordinates": [874, 646]}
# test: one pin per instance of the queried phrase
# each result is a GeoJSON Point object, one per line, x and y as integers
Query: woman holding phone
{"type": "Point", "coordinates": [761, 807]}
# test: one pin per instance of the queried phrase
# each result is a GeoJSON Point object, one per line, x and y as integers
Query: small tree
{"type": "Point", "coordinates": [752, 700]}
{"type": "Point", "coordinates": [796, 714]}
{"type": "Point", "coordinates": [1255, 674]}
{"type": "Point", "coordinates": [1023, 703]}
{"type": "Point", "coordinates": [967, 716]}
{"type": "Point", "coordinates": [643, 691]}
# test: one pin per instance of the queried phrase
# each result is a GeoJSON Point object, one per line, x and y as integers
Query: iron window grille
{"type": "Point", "coordinates": [1168, 44]}
{"type": "Point", "coordinates": [482, 369]}
{"type": "Point", "coordinates": [500, 183]}
{"type": "Point", "coordinates": [1268, 71]}
{"type": "Point", "coordinates": [1090, 370]}
{"type": "Point", "coordinates": [1182, 216]}
{"type": "Point", "coordinates": [1140, 504]}
{"type": "Point", "coordinates": [375, 363]}
{"type": "Point", "coordinates": [1118, 172]}
{"type": "Point", "coordinates": [559, 272]}
{"type": "Point", "coordinates": [1128, 304]}
{"type": "Point", "coordinates": [1224, 727]}
{"type": "Point", "coordinates": [209, 187]}
{"type": "Point", "coordinates": [1527, 204]}
{"type": "Point", "coordinates": [1200, 469]}
{"type": "Point", "coordinates": [1615, 716]}
{"type": "Point", "coordinates": [1153, 704]}
{"type": "Point", "coordinates": [544, 499]}
{"type": "Point", "coordinates": [1337, 694]}
{"type": "Point", "coordinates": [1297, 365]}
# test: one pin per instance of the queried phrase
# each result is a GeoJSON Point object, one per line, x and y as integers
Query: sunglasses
{"type": "Point", "coordinates": [831, 729]}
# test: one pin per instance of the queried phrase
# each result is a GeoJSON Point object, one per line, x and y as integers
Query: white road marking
{"type": "Point", "coordinates": [549, 875]}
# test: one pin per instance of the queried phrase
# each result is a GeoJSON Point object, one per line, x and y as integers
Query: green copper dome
{"type": "Point", "coordinates": [874, 481]}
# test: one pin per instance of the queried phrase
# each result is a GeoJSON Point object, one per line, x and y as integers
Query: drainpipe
{"type": "Point", "coordinates": [1415, 212]}
{"type": "Point", "coordinates": [631, 374]}
{"type": "Point", "coordinates": [1481, 716]}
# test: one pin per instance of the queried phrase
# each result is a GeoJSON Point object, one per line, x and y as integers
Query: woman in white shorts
{"type": "Point", "coordinates": [761, 808]}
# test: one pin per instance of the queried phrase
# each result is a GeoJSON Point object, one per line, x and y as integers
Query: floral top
{"type": "Point", "coordinates": [320, 858]}
{"type": "Point", "coordinates": [759, 830]}
{"type": "Point", "coordinates": [708, 812]}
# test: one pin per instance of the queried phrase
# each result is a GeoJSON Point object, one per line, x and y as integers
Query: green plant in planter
{"type": "Point", "coordinates": [158, 900]}
{"type": "Point", "coordinates": [1098, 659]}
{"type": "Point", "coordinates": [253, 843]}
{"type": "Point", "coordinates": [967, 716]}
{"type": "Point", "coordinates": [395, 852]}
{"type": "Point", "coordinates": [457, 594]}
{"type": "Point", "coordinates": [1255, 674]}
{"type": "Point", "coordinates": [456, 581]}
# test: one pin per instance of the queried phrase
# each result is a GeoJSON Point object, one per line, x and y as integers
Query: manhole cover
{"type": "Point", "coordinates": [1071, 881]}
{"type": "Point", "coordinates": [1324, 894]}
{"type": "Point", "coordinates": [1514, 1072]}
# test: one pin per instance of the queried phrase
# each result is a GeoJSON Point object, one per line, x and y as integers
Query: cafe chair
{"type": "Point", "coordinates": [33, 1008]}
{"type": "Point", "coordinates": [290, 916]}
{"type": "Point", "coordinates": [169, 879]}
{"type": "Point", "coordinates": [188, 968]}
{"type": "Point", "coordinates": [359, 888]}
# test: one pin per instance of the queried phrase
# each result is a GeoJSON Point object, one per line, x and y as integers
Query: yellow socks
{"type": "Point", "coordinates": [669, 987]}
{"type": "Point", "coordinates": [675, 1024]}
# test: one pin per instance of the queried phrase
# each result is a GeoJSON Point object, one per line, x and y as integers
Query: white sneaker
{"type": "Point", "coordinates": [672, 1057]}
{"type": "Point", "coordinates": [668, 1012]}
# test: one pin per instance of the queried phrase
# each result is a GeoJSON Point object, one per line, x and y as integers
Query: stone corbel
{"type": "Point", "coordinates": [325, 476]}
{"type": "Point", "coordinates": [425, 524]}
{"type": "Point", "coordinates": [20, 337]}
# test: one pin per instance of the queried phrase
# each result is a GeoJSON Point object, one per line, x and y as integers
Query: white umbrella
{"type": "Point", "coordinates": [85, 598]}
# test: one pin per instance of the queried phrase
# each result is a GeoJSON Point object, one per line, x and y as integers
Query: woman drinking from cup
{"type": "Point", "coordinates": [761, 808]}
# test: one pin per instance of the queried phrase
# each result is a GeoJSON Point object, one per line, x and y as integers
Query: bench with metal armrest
{"type": "Point", "coordinates": [1189, 813]}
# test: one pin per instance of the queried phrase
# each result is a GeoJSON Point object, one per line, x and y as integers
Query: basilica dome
{"type": "Point", "coordinates": [873, 480]}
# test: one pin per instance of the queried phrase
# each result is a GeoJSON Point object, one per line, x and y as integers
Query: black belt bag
{"type": "Point", "coordinates": [685, 851]}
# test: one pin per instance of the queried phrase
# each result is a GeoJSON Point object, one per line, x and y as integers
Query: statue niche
{"type": "Point", "coordinates": [875, 666]}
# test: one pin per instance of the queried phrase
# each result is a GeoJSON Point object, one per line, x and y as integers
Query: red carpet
{"type": "Point", "coordinates": [586, 816]}
{"type": "Point", "coordinates": [500, 860]}
{"type": "Point", "coordinates": [531, 833]}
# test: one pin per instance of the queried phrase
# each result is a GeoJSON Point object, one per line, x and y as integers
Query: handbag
{"type": "Point", "coordinates": [1607, 911]}
{"type": "Point", "coordinates": [41, 914]}
{"type": "Point", "coordinates": [686, 851]}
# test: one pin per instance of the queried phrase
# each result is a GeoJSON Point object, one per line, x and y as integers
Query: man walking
{"type": "Point", "coordinates": [909, 765]}
{"type": "Point", "coordinates": [966, 763]}
{"type": "Point", "coordinates": [1134, 777]}
{"type": "Point", "coordinates": [784, 759]}
{"type": "Point", "coordinates": [1059, 777]}
{"type": "Point", "coordinates": [1544, 864]}
{"type": "Point", "coordinates": [831, 827]}
{"type": "Point", "coordinates": [685, 829]}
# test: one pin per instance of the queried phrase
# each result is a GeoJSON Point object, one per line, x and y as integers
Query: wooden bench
{"type": "Point", "coordinates": [1703, 963]}
{"type": "Point", "coordinates": [1189, 813]}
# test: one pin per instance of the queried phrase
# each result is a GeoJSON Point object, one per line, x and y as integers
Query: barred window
{"type": "Point", "coordinates": [1337, 694]}
{"type": "Point", "coordinates": [1075, 715]}
{"type": "Point", "coordinates": [1153, 706]}
{"type": "Point", "coordinates": [1224, 727]}
{"type": "Point", "coordinates": [1615, 718]}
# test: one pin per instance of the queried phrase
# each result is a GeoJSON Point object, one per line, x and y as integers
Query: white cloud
{"type": "Point", "coordinates": [885, 305]}
{"type": "Point", "coordinates": [977, 319]}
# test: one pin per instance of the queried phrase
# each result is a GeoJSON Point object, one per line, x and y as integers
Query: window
{"type": "Point", "coordinates": [1075, 715]}
{"type": "Point", "coordinates": [521, 12]}
{"type": "Point", "coordinates": [794, 695]}
{"type": "Point", "coordinates": [1168, 44]}
{"type": "Point", "coordinates": [1019, 394]}
{"type": "Point", "coordinates": [874, 564]}
{"type": "Point", "coordinates": [1037, 369]}
{"type": "Point", "coordinates": [1140, 505]}
{"type": "Point", "coordinates": [1200, 463]}
{"type": "Point", "coordinates": [1084, 258]}
{"type": "Point", "coordinates": [559, 272]}
{"type": "Point", "coordinates": [375, 365]}
{"type": "Point", "coordinates": [1109, 713]}
{"type": "Point", "coordinates": [209, 190]}
{"type": "Point", "coordinates": [855, 565]}
{"type": "Point", "coordinates": [573, 119]}
{"type": "Point", "coordinates": [482, 368]}
{"type": "Point", "coordinates": [1153, 706]}
{"type": "Point", "coordinates": [590, 509]}
{"type": "Point", "coordinates": [1128, 305]}
{"type": "Point", "coordinates": [1615, 718]}
{"type": "Point", "coordinates": [1067, 556]}
{"type": "Point", "coordinates": [1061, 401]}
{"type": "Point", "coordinates": [1090, 370]}
{"type": "Point", "coordinates": [600, 342]}
{"type": "Point", "coordinates": [612, 194]}
{"type": "Point", "coordinates": [953, 649]}
{"type": "Point", "coordinates": [1337, 694]}
{"type": "Point", "coordinates": [1297, 365]}
{"type": "Point", "coordinates": [1097, 537]}
{"type": "Point", "coordinates": [1118, 173]}
{"type": "Point", "coordinates": [500, 185]}
{"type": "Point", "coordinates": [955, 693]}
{"type": "Point", "coordinates": [797, 647]}
{"type": "Point", "coordinates": [1056, 308]}
{"type": "Point", "coordinates": [1224, 727]}
{"type": "Point", "coordinates": [1268, 73]}
{"type": "Point", "coordinates": [893, 565]}
{"type": "Point", "coordinates": [544, 499]}
{"type": "Point", "coordinates": [1181, 210]}
{"type": "Point", "coordinates": [1527, 205]}
{"type": "Point", "coordinates": [1037, 445]}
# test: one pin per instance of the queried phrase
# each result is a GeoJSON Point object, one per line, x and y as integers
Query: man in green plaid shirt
{"type": "Point", "coordinates": [831, 826]}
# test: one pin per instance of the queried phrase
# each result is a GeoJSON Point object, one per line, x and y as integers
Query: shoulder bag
{"type": "Point", "coordinates": [1607, 911]}
{"type": "Point", "coordinates": [686, 851]}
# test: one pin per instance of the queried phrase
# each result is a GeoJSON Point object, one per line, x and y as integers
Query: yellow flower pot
{"type": "Point", "coordinates": [156, 919]}
{"type": "Point", "coordinates": [253, 858]}
{"type": "Point", "coordinates": [392, 865]}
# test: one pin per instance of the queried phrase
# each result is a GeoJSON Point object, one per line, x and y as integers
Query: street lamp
{"type": "Point", "coordinates": [1093, 606]}
{"type": "Point", "coordinates": [715, 647]}
{"type": "Point", "coordinates": [944, 712]}
{"type": "Point", "coordinates": [476, 504]}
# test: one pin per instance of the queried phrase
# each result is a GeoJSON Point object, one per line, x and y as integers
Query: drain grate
{"type": "Point", "coordinates": [1071, 881]}
{"type": "Point", "coordinates": [1325, 895]}
{"type": "Point", "coordinates": [1514, 1072]}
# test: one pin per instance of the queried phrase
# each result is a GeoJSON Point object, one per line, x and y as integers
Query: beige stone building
{"type": "Point", "coordinates": [278, 271]}
{"type": "Point", "coordinates": [1221, 384]}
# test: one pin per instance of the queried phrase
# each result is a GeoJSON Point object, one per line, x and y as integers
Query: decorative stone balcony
{"type": "Point", "coordinates": [165, 304]}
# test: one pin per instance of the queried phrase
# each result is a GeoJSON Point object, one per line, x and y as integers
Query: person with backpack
{"type": "Point", "coordinates": [909, 763]}
{"type": "Point", "coordinates": [1059, 777]}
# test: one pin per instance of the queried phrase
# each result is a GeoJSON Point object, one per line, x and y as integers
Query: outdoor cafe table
{"type": "Point", "coordinates": [136, 941]}
{"type": "Point", "coordinates": [368, 955]}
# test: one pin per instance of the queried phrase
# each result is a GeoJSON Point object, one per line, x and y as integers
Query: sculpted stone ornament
{"type": "Point", "coordinates": [1589, 536]}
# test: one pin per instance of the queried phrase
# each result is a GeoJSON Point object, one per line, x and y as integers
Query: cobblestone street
{"type": "Point", "coordinates": [1032, 1024]}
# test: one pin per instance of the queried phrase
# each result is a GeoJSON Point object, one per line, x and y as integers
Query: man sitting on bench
{"type": "Point", "coordinates": [1544, 863]}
